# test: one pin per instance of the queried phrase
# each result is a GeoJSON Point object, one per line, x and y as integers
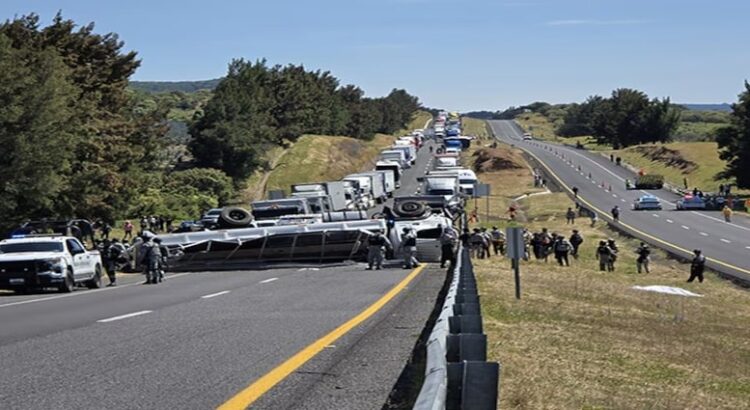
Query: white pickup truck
{"type": "Point", "coordinates": [40, 261]}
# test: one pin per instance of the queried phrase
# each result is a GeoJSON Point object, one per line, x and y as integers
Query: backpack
{"type": "Point", "coordinates": [410, 241]}
{"type": "Point", "coordinates": [562, 246]}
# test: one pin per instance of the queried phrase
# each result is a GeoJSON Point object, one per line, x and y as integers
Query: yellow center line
{"type": "Point", "coordinates": [638, 231]}
{"type": "Point", "coordinates": [258, 388]}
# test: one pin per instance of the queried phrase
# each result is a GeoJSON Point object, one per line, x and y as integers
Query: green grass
{"type": "Point", "coordinates": [704, 154]}
{"type": "Point", "coordinates": [475, 127]}
{"type": "Point", "coordinates": [581, 338]}
{"type": "Point", "coordinates": [315, 158]}
{"type": "Point", "coordinates": [697, 131]}
{"type": "Point", "coordinates": [538, 125]}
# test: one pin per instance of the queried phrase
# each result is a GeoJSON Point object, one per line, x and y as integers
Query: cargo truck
{"type": "Point", "coordinates": [336, 191]}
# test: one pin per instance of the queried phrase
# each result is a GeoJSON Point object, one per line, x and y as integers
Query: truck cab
{"type": "Point", "coordinates": [30, 262]}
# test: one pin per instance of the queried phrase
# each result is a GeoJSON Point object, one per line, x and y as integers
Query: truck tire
{"type": "Point", "coordinates": [412, 209]}
{"type": "Point", "coordinates": [69, 283]}
{"type": "Point", "coordinates": [96, 281]}
{"type": "Point", "coordinates": [233, 217]}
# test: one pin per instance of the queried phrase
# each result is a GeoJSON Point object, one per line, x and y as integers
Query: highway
{"type": "Point", "coordinates": [201, 338]}
{"type": "Point", "coordinates": [726, 245]}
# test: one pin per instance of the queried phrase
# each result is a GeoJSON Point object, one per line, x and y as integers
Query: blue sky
{"type": "Point", "coordinates": [459, 55]}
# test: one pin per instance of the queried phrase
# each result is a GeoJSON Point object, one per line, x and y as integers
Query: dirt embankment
{"type": "Point", "coordinates": [668, 157]}
{"type": "Point", "coordinates": [497, 159]}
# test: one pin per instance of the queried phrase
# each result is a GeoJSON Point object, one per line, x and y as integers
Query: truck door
{"type": "Point", "coordinates": [81, 259]}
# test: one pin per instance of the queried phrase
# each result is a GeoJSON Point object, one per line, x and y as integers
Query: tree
{"type": "Point", "coordinates": [734, 142]}
{"type": "Point", "coordinates": [36, 131]}
{"type": "Point", "coordinates": [115, 145]}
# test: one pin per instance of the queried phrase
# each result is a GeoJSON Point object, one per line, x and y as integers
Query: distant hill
{"type": "Point", "coordinates": [169, 86]}
{"type": "Point", "coordinates": [708, 107]}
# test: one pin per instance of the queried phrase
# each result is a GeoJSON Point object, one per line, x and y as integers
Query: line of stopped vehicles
{"type": "Point", "coordinates": [317, 222]}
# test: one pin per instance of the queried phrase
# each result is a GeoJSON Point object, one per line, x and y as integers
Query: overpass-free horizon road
{"type": "Point", "coordinates": [725, 245]}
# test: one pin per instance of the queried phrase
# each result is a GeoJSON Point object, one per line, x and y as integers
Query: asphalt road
{"type": "Point", "coordinates": [726, 245]}
{"type": "Point", "coordinates": [199, 338]}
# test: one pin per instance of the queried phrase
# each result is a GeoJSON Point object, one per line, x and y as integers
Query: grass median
{"type": "Point", "coordinates": [581, 338]}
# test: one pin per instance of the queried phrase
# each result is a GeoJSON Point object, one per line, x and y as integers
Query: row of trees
{"type": "Point", "coordinates": [256, 106]}
{"type": "Point", "coordinates": [627, 118]}
{"type": "Point", "coordinates": [76, 141]}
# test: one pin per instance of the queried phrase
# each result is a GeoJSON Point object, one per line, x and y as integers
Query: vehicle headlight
{"type": "Point", "coordinates": [53, 265]}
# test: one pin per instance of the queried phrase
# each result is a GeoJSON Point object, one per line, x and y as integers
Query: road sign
{"type": "Point", "coordinates": [516, 251]}
{"type": "Point", "coordinates": [481, 190]}
{"type": "Point", "coordinates": [514, 242]}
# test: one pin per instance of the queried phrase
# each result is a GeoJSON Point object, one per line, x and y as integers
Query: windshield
{"type": "Point", "coordinates": [31, 247]}
{"type": "Point", "coordinates": [467, 181]}
{"type": "Point", "coordinates": [214, 212]}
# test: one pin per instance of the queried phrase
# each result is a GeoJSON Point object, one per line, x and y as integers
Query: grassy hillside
{"type": "Point", "coordinates": [170, 86]}
{"type": "Point", "coordinates": [699, 162]}
{"type": "Point", "coordinates": [580, 338]}
{"type": "Point", "coordinates": [475, 127]}
{"type": "Point", "coordinates": [315, 158]}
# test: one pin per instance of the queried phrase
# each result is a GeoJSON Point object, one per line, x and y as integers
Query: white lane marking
{"type": "Point", "coordinates": [622, 200]}
{"type": "Point", "coordinates": [725, 240]}
{"type": "Point", "coordinates": [703, 233]}
{"type": "Point", "coordinates": [129, 315]}
{"type": "Point", "coordinates": [721, 220]}
{"type": "Point", "coordinates": [747, 247]}
{"type": "Point", "coordinates": [593, 182]}
{"type": "Point", "coordinates": [87, 292]}
{"type": "Point", "coordinates": [685, 227]}
{"type": "Point", "coordinates": [656, 215]}
{"type": "Point", "coordinates": [213, 295]}
{"type": "Point", "coordinates": [614, 195]}
{"type": "Point", "coordinates": [670, 221]}
{"type": "Point", "coordinates": [269, 280]}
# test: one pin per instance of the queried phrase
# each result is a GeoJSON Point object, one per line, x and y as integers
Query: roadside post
{"type": "Point", "coordinates": [482, 190]}
{"type": "Point", "coordinates": [516, 248]}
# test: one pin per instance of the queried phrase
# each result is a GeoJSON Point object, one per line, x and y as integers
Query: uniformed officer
{"type": "Point", "coordinates": [377, 244]}
{"type": "Point", "coordinates": [409, 248]}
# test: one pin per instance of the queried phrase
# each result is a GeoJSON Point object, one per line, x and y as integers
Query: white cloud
{"type": "Point", "coordinates": [595, 22]}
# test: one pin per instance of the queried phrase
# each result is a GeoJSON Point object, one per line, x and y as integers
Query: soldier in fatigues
{"type": "Point", "coordinates": [448, 240]}
{"type": "Point", "coordinates": [376, 247]}
{"type": "Point", "coordinates": [409, 248]}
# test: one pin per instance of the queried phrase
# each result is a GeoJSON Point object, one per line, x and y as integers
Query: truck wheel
{"type": "Point", "coordinates": [69, 283]}
{"type": "Point", "coordinates": [412, 209]}
{"type": "Point", "coordinates": [96, 281]}
{"type": "Point", "coordinates": [233, 216]}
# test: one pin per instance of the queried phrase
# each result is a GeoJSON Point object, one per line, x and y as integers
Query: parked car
{"type": "Point", "coordinates": [691, 202]}
{"type": "Point", "coordinates": [647, 202]}
{"type": "Point", "coordinates": [30, 262]}
{"type": "Point", "coordinates": [527, 137]}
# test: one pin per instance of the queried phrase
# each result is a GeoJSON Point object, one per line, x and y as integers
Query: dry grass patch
{"type": "Point", "coordinates": [580, 338]}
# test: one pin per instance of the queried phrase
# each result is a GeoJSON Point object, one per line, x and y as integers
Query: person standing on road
{"type": "Point", "coordinates": [562, 249]}
{"type": "Point", "coordinates": [575, 191]}
{"type": "Point", "coordinates": [616, 213]}
{"type": "Point", "coordinates": [128, 228]}
{"type": "Point", "coordinates": [570, 216]}
{"type": "Point", "coordinates": [575, 241]}
{"type": "Point", "coordinates": [644, 257]}
{"type": "Point", "coordinates": [697, 266]}
{"type": "Point", "coordinates": [603, 254]}
{"type": "Point", "coordinates": [727, 212]}
{"type": "Point", "coordinates": [498, 241]}
{"type": "Point", "coordinates": [448, 240]}
{"type": "Point", "coordinates": [376, 247]}
{"type": "Point", "coordinates": [409, 248]}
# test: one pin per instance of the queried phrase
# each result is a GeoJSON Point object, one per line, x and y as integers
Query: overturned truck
{"type": "Point", "coordinates": [241, 248]}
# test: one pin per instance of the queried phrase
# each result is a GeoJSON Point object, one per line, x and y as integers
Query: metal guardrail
{"type": "Point", "coordinates": [457, 375]}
